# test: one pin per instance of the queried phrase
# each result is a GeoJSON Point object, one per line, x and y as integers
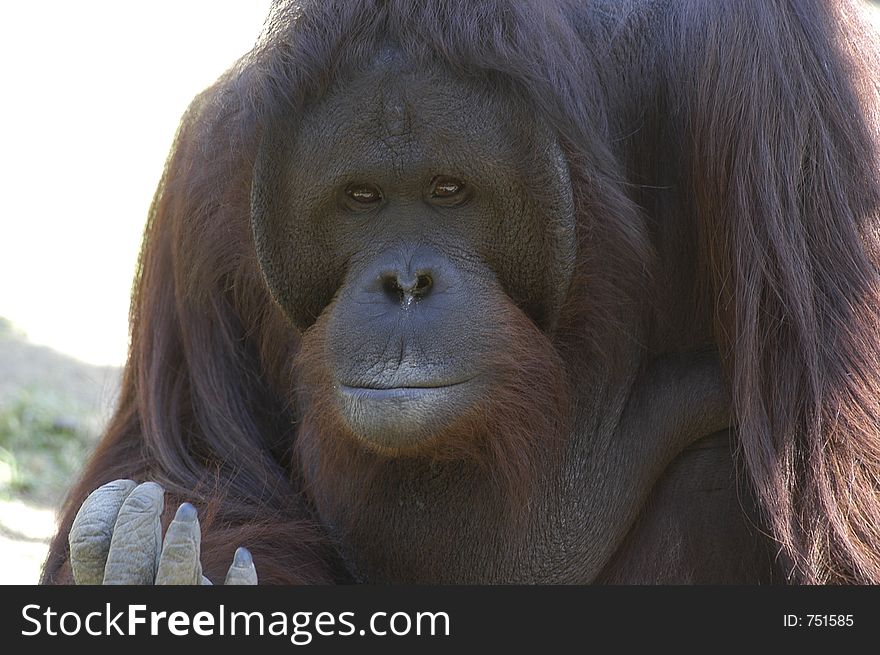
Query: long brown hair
{"type": "Point", "coordinates": [772, 113]}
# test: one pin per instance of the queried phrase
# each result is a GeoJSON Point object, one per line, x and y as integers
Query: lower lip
{"type": "Point", "coordinates": [399, 417]}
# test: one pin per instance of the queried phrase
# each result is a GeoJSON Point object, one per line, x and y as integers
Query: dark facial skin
{"type": "Point", "coordinates": [419, 230]}
{"type": "Point", "coordinates": [418, 204]}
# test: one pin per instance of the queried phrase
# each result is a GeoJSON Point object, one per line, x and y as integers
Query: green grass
{"type": "Point", "coordinates": [44, 442]}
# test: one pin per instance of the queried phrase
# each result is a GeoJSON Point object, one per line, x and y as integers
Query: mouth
{"type": "Point", "coordinates": [389, 392]}
{"type": "Point", "coordinates": [395, 417]}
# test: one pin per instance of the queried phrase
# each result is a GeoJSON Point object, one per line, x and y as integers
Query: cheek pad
{"type": "Point", "coordinates": [295, 255]}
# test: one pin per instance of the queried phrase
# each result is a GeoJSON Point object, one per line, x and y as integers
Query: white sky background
{"type": "Point", "coordinates": [91, 93]}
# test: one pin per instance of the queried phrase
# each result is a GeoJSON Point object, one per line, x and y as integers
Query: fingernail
{"type": "Point", "coordinates": [243, 558]}
{"type": "Point", "coordinates": [186, 512]}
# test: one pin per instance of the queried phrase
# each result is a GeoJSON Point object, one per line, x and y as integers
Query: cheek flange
{"type": "Point", "coordinates": [292, 252]}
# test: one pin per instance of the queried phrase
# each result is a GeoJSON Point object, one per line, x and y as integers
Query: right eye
{"type": "Point", "coordinates": [363, 194]}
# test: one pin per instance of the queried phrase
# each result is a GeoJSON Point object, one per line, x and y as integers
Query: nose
{"type": "Point", "coordinates": [407, 287]}
{"type": "Point", "coordinates": [402, 277]}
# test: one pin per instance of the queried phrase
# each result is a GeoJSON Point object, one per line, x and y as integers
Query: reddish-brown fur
{"type": "Point", "coordinates": [774, 111]}
{"type": "Point", "coordinates": [512, 435]}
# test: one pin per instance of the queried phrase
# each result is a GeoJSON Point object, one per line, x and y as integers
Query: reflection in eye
{"type": "Point", "coordinates": [446, 187]}
{"type": "Point", "coordinates": [364, 194]}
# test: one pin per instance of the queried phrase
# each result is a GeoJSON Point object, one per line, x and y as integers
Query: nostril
{"type": "Point", "coordinates": [403, 289]}
{"type": "Point", "coordinates": [392, 288]}
{"type": "Point", "coordinates": [423, 285]}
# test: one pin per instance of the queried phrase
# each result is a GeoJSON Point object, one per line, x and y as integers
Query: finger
{"type": "Point", "coordinates": [242, 571]}
{"type": "Point", "coordinates": [180, 562]}
{"type": "Point", "coordinates": [92, 530]}
{"type": "Point", "coordinates": [137, 538]}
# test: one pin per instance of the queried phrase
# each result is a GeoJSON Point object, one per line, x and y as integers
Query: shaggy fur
{"type": "Point", "coordinates": [725, 158]}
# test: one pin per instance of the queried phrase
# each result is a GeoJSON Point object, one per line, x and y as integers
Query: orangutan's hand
{"type": "Point", "coordinates": [116, 538]}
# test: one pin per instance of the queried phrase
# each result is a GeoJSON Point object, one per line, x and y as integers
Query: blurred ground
{"type": "Point", "coordinates": [25, 530]}
{"type": "Point", "coordinates": [52, 409]}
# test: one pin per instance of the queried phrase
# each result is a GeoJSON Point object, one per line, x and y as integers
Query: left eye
{"type": "Point", "coordinates": [446, 187]}
{"type": "Point", "coordinates": [364, 194]}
